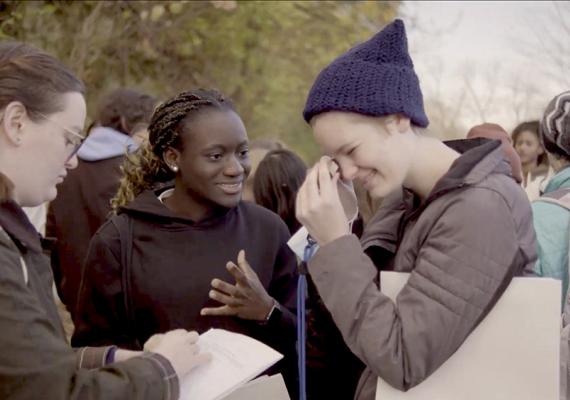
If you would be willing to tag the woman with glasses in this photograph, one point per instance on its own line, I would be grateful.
(42, 112)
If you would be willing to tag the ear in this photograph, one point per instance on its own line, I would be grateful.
(398, 124)
(13, 121)
(125, 127)
(171, 157)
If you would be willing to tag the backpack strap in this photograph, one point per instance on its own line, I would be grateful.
(124, 226)
(560, 197)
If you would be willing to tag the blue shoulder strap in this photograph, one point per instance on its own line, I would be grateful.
(301, 318)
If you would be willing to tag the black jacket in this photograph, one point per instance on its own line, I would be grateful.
(172, 263)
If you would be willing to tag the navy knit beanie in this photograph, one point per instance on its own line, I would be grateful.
(375, 78)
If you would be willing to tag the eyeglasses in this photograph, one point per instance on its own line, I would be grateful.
(75, 139)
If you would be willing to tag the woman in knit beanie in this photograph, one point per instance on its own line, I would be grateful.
(452, 217)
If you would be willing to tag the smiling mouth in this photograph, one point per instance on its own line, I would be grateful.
(231, 188)
(367, 178)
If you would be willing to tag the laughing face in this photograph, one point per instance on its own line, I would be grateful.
(214, 161)
(365, 150)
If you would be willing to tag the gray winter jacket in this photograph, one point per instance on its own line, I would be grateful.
(462, 246)
(36, 362)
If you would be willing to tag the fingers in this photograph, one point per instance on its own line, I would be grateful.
(246, 268)
(177, 333)
(193, 337)
(225, 311)
(202, 358)
(242, 262)
(153, 342)
(237, 273)
(194, 349)
(224, 298)
(225, 287)
(324, 177)
(308, 191)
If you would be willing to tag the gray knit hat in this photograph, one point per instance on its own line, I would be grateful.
(555, 125)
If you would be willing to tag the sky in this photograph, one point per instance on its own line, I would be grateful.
(483, 60)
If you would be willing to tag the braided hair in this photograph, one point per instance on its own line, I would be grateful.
(146, 168)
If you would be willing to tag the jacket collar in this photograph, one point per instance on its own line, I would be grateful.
(479, 158)
(560, 180)
(15, 222)
(149, 207)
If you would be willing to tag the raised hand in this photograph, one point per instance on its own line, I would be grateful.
(246, 299)
(318, 205)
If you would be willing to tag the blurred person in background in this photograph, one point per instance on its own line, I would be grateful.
(83, 202)
(535, 167)
(332, 370)
(279, 176)
(496, 132)
(258, 148)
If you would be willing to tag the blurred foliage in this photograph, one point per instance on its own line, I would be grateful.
(264, 55)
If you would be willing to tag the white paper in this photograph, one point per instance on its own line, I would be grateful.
(236, 359)
(263, 388)
(513, 353)
(299, 241)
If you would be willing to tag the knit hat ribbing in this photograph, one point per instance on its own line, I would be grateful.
(555, 124)
(375, 78)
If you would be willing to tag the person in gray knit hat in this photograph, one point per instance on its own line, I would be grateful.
(551, 215)
(549, 218)
(452, 217)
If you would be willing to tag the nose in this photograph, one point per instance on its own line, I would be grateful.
(72, 162)
(347, 169)
(233, 167)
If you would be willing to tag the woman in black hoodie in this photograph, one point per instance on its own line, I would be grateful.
(165, 260)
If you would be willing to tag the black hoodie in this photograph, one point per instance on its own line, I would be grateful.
(173, 262)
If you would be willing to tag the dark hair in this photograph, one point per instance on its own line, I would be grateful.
(265, 144)
(532, 127)
(35, 79)
(551, 146)
(146, 168)
(124, 108)
(278, 178)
